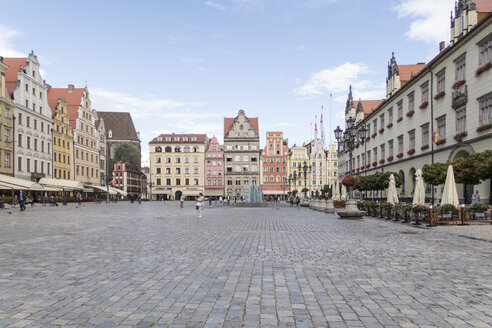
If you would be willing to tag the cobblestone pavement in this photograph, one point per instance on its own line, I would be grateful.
(157, 265)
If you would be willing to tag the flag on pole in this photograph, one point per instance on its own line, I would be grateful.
(315, 134)
(322, 127)
(436, 136)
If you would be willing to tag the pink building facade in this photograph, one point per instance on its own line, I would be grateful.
(214, 169)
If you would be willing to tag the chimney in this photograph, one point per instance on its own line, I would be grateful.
(442, 44)
(70, 88)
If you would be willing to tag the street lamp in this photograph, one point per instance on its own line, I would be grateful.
(348, 140)
(305, 168)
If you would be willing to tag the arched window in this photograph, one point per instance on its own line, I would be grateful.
(177, 149)
(195, 149)
(186, 149)
(158, 149)
(168, 149)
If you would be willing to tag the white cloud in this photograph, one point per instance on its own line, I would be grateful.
(105, 100)
(430, 19)
(7, 48)
(215, 5)
(334, 80)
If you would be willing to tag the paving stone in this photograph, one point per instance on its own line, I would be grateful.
(156, 265)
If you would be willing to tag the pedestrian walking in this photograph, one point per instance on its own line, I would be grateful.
(21, 201)
(221, 201)
(79, 199)
(209, 201)
(476, 197)
(199, 204)
(181, 201)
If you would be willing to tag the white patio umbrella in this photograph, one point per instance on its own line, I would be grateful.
(450, 194)
(419, 192)
(344, 192)
(336, 191)
(392, 193)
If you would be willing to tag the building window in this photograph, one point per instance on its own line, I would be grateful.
(390, 115)
(460, 68)
(158, 170)
(424, 92)
(383, 153)
(390, 147)
(168, 181)
(425, 135)
(485, 51)
(178, 182)
(461, 120)
(195, 182)
(441, 126)
(411, 101)
(7, 159)
(195, 170)
(187, 181)
(158, 182)
(375, 151)
(381, 118)
(375, 124)
(400, 109)
(400, 144)
(19, 163)
(441, 80)
(411, 139)
(485, 106)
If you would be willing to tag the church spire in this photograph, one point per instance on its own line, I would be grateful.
(359, 107)
(350, 101)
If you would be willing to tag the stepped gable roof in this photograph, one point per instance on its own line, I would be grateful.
(120, 124)
(369, 105)
(11, 73)
(483, 6)
(228, 121)
(200, 138)
(407, 71)
(73, 97)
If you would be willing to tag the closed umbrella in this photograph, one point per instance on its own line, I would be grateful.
(450, 194)
(344, 192)
(419, 192)
(336, 192)
(392, 193)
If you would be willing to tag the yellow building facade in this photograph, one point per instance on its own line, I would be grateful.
(62, 142)
(177, 165)
(6, 126)
(298, 157)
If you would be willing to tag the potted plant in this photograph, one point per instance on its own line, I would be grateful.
(407, 209)
(381, 161)
(410, 113)
(441, 141)
(424, 147)
(446, 210)
(399, 119)
(389, 125)
(374, 163)
(374, 135)
(390, 158)
(381, 130)
(458, 84)
(411, 151)
(482, 69)
(399, 155)
(460, 136)
(477, 208)
(484, 127)
(439, 95)
(397, 211)
(424, 105)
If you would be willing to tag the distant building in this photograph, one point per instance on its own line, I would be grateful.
(176, 165)
(242, 154)
(129, 178)
(297, 159)
(274, 164)
(214, 169)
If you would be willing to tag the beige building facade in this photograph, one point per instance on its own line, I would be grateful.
(298, 157)
(177, 165)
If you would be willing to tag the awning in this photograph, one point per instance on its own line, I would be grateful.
(19, 184)
(46, 188)
(191, 193)
(103, 189)
(61, 184)
(5, 186)
(88, 189)
(121, 192)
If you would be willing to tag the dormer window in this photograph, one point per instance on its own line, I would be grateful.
(110, 134)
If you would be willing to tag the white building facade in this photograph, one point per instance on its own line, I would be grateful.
(33, 158)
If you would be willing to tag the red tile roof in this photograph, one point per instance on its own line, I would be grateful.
(228, 121)
(407, 71)
(11, 73)
(483, 6)
(200, 138)
(120, 124)
(369, 105)
(73, 100)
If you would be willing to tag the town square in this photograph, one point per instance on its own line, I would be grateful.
(157, 265)
(246, 163)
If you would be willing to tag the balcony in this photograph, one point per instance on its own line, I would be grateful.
(459, 97)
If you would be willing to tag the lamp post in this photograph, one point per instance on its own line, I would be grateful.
(305, 168)
(295, 179)
(350, 137)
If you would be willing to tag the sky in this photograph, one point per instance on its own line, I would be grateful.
(182, 66)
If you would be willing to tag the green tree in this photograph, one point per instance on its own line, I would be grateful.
(473, 168)
(435, 174)
(126, 153)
